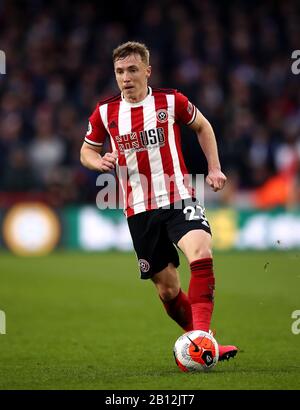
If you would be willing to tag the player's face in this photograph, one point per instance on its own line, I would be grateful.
(132, 77)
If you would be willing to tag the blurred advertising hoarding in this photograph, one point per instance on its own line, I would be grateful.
(36, 229)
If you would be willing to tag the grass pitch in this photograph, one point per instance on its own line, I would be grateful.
(86, 321)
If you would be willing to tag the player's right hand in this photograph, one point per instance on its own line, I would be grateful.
(108, 161)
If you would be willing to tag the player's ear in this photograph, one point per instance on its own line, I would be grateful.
(148, 71)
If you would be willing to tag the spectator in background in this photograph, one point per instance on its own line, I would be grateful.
(19, 175)
(46, 150)
(233, 60)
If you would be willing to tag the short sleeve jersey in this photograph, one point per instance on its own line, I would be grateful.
(150, 166)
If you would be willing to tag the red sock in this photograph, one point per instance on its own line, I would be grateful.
(179, 309)
(201, 293)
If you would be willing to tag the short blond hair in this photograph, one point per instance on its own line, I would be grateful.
(131, 47)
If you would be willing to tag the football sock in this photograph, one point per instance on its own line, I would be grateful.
(179, 309)
(201, 293)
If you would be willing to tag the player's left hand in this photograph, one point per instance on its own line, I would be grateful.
(216, 179)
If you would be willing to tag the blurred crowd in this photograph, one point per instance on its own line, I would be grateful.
(232, 59)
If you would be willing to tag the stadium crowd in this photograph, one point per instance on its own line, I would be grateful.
(232, 59)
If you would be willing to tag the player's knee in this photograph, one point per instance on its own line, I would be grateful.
(200, 253)
(168, 293)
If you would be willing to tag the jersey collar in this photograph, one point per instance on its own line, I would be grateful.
(140, 102)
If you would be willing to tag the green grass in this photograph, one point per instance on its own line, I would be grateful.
(86, 321)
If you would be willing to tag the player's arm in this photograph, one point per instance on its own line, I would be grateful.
(90, 157)
(206, 137)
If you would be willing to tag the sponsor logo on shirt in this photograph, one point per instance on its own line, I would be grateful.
(112, 125)
(90, 129)
(142, 140)
(190, 108)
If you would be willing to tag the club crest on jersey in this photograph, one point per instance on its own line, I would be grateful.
(162, 115)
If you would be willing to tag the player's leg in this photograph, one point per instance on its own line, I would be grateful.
(193, 237)
(196, 245)
(167, 283)
(158, 260)
(175, 301)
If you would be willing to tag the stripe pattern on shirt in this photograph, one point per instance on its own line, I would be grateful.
(150, 167)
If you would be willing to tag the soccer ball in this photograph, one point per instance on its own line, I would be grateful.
(196, 351)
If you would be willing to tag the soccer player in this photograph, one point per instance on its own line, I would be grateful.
(142, 125)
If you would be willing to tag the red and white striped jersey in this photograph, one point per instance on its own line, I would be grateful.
(146, 134)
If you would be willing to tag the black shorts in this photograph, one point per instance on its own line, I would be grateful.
(155, 232)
